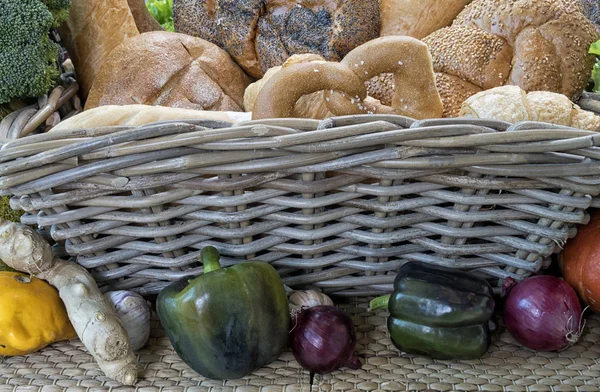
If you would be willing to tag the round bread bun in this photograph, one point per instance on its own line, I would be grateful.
(539, 45)
(169, 69)
(512, 104)
(262, 34)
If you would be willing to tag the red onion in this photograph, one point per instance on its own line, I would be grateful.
(542, 313)
(323, 340)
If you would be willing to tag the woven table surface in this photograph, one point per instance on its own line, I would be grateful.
(67, 366)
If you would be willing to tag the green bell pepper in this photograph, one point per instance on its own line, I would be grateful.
(229, 321)
(439, 312)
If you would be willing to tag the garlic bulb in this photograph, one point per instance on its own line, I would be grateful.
(299, 300)
(134, 312)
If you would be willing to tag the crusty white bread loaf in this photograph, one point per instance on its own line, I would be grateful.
(134, 115)
(93, 30)
(169, 69)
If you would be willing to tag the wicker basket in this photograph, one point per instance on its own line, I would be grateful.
(59, 104)
(337, 204)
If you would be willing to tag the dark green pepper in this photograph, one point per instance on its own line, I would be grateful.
(439, 312)
(229, 321)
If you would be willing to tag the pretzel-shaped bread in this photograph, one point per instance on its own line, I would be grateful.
(415, 93)
(279, 95)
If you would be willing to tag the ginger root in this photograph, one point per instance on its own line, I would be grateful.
(94, 320)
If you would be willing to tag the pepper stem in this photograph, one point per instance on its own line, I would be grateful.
(379, 302)
(209, 255)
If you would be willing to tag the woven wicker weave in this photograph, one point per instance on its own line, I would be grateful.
(507, 367)
(50, 109)
(338, 204)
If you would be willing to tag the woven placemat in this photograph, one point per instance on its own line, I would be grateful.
(67, 366)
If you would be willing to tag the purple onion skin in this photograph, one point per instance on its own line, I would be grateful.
(323, 340)
(543, 313)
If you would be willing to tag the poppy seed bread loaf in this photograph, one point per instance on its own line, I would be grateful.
(591, 8)
(261, 34)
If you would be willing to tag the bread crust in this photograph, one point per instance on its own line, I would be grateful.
(512, 104)
(417, 18)
(544, 47)
(93, 30)
(169, 69)
(261, 34)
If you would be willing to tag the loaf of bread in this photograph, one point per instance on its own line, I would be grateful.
(143, 19)
(309, 106)
(93, 30)
(169, 69)
(512, 104)
(537, 45)
(262, 34)
(135, 115)
(417, 18)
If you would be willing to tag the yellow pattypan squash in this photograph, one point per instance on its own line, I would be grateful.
(32, 315)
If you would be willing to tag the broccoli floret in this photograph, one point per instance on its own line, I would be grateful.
(28, 59)
(59, 10)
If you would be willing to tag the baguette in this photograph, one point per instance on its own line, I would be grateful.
(135, 115)
(93, 30)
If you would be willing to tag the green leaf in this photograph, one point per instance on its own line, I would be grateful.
(162, 11)
(595, 48)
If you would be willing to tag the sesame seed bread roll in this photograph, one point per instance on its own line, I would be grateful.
(453, 92)
(471, 54)
(539, 45)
